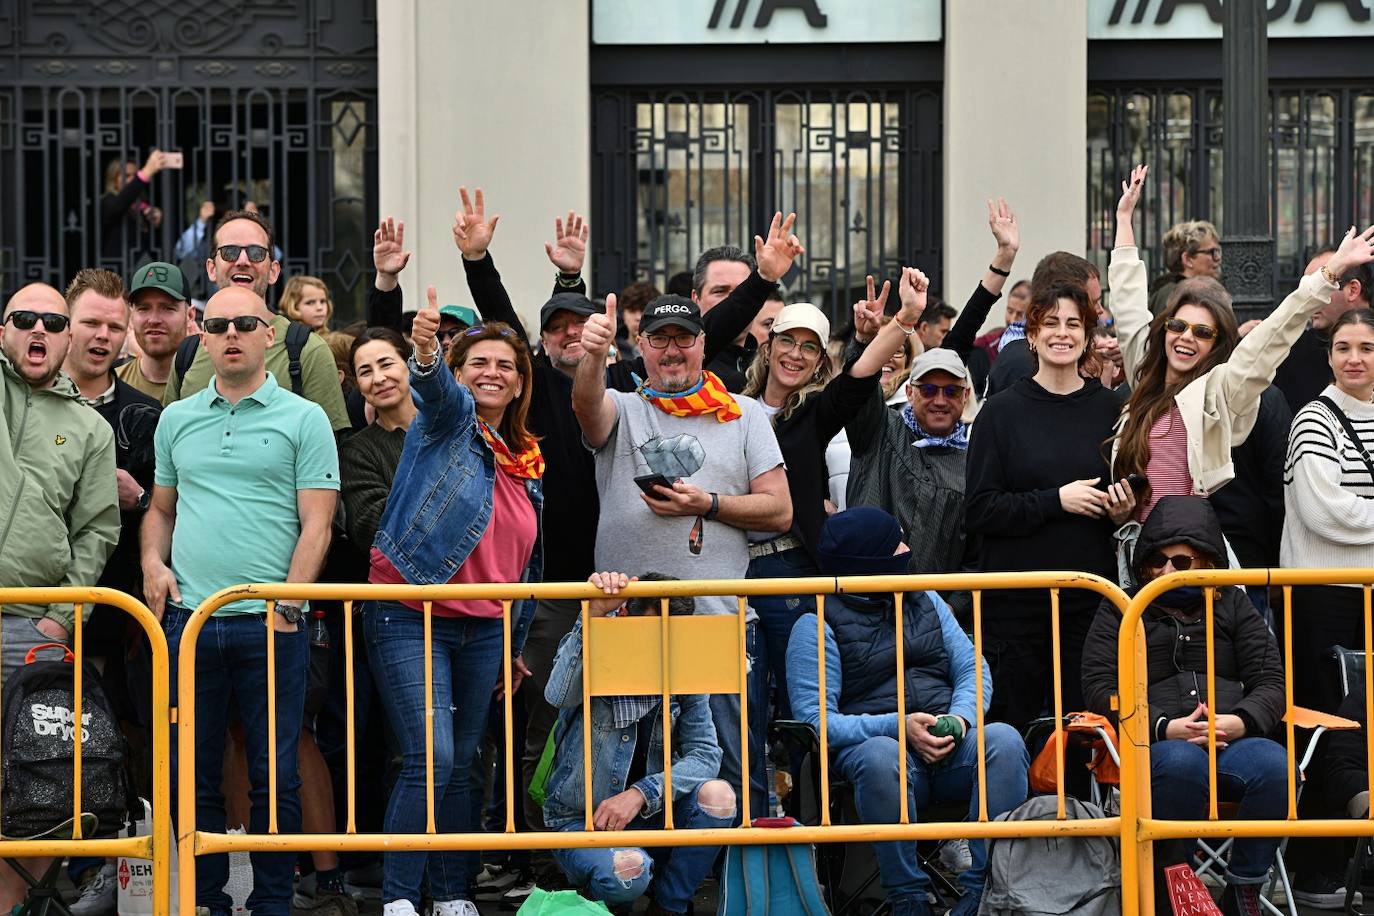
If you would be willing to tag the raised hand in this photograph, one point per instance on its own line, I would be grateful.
(868, 313)
(569, 249)
(912, 289)
(1004, 227)
(1356, 249)
(472, 231)
(1125, 207)
(774, 257)
(388, 247)
(154, 163)
(599, 332)
(424, 332)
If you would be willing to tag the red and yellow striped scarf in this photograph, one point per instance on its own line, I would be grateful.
(710, 396)
(528, 465)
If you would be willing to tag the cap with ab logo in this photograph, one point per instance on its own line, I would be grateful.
(159, 275)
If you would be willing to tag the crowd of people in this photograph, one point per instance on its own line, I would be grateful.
(170, 447)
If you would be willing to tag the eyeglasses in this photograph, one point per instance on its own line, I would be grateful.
(786, 343)
(1213, 253)
(1200, 331)
(244, 324)
(256, 253)
(24, 319)
(929, 391)
(660, 341)
(1181, 561)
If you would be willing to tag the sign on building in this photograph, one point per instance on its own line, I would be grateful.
(652, 22)
(1202, 18)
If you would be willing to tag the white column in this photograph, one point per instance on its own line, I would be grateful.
(1015, 119)
(483, 94)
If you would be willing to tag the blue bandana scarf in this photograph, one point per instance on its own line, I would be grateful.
(1015, 331)
(957, 439)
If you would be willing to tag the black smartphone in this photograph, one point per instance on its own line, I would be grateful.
(1137, 482)
(649, 481)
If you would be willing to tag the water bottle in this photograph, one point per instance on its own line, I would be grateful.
(319, 633)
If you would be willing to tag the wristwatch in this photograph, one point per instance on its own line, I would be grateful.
(144, 499)
(291, 613)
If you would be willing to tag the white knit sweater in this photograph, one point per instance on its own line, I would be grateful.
(1328, 490)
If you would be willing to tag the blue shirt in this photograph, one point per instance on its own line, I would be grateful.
(236, 469)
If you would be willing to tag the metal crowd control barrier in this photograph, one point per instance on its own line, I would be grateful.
(157, 845)
(672, 655)
(1136, 859)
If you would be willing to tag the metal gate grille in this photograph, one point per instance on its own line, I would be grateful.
(1321, 162)
(675, 173)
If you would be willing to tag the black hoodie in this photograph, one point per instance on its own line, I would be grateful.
(1249, 668)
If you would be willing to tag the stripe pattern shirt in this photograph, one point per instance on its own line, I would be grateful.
(1168, 466)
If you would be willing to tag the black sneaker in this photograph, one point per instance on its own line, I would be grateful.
(1241, 900)
(1322, 891)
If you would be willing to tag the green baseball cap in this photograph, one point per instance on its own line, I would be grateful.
(469, 317)
(160, 275)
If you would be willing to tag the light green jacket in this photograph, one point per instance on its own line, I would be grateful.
(59, 505)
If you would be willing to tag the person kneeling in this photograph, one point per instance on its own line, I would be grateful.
(861, 704)
(627, 738)
(1183, 533)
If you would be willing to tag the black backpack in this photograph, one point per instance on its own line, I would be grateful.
(36, 773)
(297, 336)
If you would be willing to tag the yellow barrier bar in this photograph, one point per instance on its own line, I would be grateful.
(903, 816)
(506, 700)
(587, 719)
(1152, 829)
(351, 763)
(979, 715)
(77, 637)
(824, 730)
(747, 815)
(428, 649)
(1369, 689)
(1210, 624)
(1058, 706)
(272, 716)
(1288, 702)
(667, 716)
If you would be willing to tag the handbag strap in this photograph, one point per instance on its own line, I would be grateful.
(1349, 431)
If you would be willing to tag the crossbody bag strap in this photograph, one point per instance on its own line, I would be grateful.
(1349, 431)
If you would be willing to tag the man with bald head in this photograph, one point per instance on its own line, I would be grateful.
(244, 491)
(57, 487)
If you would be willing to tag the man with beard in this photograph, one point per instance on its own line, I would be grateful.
(158, 317)
(242, 257)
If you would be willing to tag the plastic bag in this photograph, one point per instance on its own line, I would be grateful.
(559, 903)
(135, 876)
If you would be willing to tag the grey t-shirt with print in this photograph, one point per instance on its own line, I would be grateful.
(632, 539)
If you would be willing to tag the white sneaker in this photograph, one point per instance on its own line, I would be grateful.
(455, 908)
(98, 894)
(399, 908)
(956, 856)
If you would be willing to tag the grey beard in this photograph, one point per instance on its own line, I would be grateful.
(675, 387)
(563, 361)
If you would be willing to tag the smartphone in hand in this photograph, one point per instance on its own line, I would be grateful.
(647, 483)
(173, 160)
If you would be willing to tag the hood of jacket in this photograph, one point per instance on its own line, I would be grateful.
(1187, 520)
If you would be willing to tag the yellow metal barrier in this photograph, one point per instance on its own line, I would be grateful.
(157, 845)
(677, 655)
(1140, 828)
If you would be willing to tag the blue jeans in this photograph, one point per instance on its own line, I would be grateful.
(231, 662)
(466, 656)
(777, 614)
(681, 872)
(871, 767)
(1252, 771)
(725, 710)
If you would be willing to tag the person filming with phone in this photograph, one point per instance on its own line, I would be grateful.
(710, 470)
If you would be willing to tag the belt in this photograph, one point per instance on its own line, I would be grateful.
(776, 545)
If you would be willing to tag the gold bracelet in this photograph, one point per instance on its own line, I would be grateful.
(1330, 277)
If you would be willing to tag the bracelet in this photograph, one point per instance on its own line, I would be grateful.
(1000, 273)
(428, 360)
(715, 507)
(1330, 277)
(564, 281)
(908, 331)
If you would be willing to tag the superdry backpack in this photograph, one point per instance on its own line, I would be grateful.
(36, 774)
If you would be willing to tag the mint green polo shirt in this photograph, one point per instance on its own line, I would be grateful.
(236, 469)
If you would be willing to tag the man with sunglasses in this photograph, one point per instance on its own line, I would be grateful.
(57, 473)
(245, 489)
(242, 258)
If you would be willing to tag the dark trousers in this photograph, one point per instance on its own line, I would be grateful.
(1021, 656)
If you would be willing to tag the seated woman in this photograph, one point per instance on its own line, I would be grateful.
(1183, 533)
(627, 742)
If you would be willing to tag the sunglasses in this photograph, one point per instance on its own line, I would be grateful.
(24, 319)
(1181, 561)
(479, 329)
(244, 324)
(256, 253)
(1200, 331)
(661, 341)
(929, 391)
(786, 343)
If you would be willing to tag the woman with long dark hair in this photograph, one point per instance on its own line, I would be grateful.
(464, 507)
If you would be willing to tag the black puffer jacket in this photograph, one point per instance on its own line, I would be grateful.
(1249, 668)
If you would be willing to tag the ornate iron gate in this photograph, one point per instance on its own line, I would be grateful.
(273, 102)
(677, 172)
(1321, 166)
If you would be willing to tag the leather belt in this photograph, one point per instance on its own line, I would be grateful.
(776, 545)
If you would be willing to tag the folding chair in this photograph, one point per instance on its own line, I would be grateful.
(44, 898)
(1105, 794)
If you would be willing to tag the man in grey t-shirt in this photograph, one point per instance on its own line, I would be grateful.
(724, 472)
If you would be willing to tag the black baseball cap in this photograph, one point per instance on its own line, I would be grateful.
(671, 311)
(576, 303)
(160, 275)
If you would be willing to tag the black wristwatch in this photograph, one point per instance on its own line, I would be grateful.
(144, 499)
(291, 613)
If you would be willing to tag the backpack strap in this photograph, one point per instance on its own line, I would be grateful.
(1350, 433)
(297, 336)
(186, 355)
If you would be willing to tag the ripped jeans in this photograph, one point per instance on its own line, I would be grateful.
(622, 874)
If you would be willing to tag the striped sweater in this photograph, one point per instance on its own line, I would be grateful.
(1328, 490)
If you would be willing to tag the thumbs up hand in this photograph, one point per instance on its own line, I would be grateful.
(424, 332)
(599, 332)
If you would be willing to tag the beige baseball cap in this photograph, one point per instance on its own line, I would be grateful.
(803, 315)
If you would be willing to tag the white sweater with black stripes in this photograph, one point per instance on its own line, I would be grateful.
(1328, 489)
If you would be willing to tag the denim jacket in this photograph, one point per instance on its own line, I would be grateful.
(440, 503)
(696, 758)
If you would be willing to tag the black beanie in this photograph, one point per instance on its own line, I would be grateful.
(860, 542)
